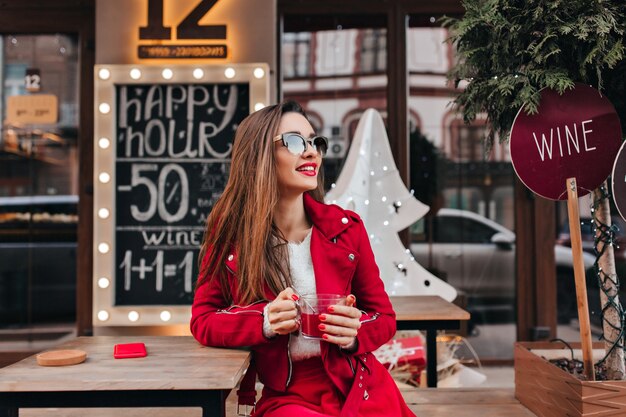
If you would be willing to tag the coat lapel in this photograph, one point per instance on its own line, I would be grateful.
(332, 264)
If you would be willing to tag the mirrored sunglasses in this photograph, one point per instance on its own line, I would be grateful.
(297, 144)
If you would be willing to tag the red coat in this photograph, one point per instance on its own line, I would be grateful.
(343, 263)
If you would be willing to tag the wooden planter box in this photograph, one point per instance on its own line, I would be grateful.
(548, 391)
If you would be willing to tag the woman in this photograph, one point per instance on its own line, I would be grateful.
(270, 238)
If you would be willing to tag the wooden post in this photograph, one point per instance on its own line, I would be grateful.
(579, 276)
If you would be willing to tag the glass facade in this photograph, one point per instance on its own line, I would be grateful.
(467, 238)
(38, 179)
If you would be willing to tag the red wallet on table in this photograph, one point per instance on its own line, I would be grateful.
(129, 350)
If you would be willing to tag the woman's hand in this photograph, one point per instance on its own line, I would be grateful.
(282, 312)
(341, 324)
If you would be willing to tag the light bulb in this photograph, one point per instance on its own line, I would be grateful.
(133, 316)
(198, 73)
(104, 143)
(167, 74)
(104, 108)
(165, 315)
(104, 177)
(103, 213)
(104, 74)
(135, 74)
(259, 72)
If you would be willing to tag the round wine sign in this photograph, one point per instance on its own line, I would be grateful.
(576, 134)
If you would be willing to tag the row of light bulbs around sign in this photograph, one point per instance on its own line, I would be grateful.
(133, 315)
(168, 73)
(104, 177)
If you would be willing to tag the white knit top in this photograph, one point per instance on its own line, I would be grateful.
(303, 278)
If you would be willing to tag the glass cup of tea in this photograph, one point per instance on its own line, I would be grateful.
(311, 306)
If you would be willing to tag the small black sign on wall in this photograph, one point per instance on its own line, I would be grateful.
(32, 80)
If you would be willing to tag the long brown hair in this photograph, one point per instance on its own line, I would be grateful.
(243, 217)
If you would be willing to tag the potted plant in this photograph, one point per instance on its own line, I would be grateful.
(508, 51)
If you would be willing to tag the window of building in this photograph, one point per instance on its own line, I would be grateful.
(373, 50)
(296, 50)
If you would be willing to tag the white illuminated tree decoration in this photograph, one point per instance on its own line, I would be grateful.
(370, 185)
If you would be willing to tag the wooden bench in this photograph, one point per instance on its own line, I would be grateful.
(447, 402)
(464, 402)
(425, 402)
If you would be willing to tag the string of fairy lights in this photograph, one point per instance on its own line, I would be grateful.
(608, 283)
(393, 208)
(383, 204)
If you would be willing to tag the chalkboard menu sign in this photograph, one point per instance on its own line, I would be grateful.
(173, 147)
(163, 138)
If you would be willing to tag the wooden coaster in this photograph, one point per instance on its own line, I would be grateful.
(61, 357)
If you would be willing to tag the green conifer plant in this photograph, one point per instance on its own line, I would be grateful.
(507, 51)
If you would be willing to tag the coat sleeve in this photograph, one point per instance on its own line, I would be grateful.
(378, 323)
(217, 324)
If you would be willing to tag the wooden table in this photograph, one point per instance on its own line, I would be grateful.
(429, 313)
(178, 372)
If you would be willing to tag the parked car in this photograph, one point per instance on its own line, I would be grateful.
(477, 256)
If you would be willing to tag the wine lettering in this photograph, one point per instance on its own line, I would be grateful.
(568, 139)
(172, 239)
